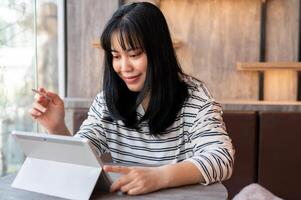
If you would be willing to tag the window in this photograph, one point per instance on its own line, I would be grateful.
(30, 56)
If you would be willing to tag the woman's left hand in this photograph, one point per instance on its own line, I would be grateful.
(137, 180)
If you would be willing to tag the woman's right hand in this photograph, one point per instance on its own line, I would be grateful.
(50, 112)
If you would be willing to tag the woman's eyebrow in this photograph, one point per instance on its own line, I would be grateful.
(127, 50)
(133, 49)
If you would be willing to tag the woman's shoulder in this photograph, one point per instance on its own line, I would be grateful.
(99, 101)
(197, 89)
(99, 98)
(99, 107)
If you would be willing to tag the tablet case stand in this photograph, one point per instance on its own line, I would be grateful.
(66, 180)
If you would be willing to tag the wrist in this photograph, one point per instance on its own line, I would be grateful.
(61, 129)
(164, 174)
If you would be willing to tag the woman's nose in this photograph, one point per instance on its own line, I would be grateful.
(126, 65)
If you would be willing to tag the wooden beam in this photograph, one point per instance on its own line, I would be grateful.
(267, 66)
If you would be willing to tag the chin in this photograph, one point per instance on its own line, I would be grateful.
(134, 89)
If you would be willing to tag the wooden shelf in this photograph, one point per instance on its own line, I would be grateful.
(267, 66)
(280, 78)
(96, 44)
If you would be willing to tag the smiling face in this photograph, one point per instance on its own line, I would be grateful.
(130, 64)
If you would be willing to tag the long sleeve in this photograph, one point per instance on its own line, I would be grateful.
(92, 128)
(213, 152)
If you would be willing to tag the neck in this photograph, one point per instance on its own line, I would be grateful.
(145, 102)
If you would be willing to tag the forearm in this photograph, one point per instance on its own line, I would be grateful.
(183, 173)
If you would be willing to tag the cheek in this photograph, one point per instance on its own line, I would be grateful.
(143, 65)
(116, 66)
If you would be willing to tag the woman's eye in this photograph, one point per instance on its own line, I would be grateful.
(116, 56)
(135, 55)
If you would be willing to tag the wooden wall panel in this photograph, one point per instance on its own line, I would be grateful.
(282, 45)
(282, 30)
(85, 22)
(215, 35)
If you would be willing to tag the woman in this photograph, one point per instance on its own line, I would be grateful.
(149, 112)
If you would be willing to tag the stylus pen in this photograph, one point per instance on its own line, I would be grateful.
(40, 93)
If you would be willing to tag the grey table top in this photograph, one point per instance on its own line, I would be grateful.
(212, 192)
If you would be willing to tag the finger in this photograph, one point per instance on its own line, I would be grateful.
(33, 117)
(42, 101)
(35, 113)
(39, 107)
(41, 89)
(54, 97)
(128, 186)
(135, 191)
(116, 169)
(38, 97)
(119, 183)
(43, 93)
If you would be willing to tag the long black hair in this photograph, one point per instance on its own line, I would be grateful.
(142, 25)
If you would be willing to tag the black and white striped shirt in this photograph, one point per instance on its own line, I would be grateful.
(197, 135)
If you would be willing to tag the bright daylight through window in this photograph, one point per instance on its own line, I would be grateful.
(28, 58)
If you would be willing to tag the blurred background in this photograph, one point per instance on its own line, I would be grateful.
(28, 58)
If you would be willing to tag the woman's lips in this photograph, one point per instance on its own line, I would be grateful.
(131, 79)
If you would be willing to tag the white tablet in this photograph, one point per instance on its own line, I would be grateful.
(57, 165)
(58, 148)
